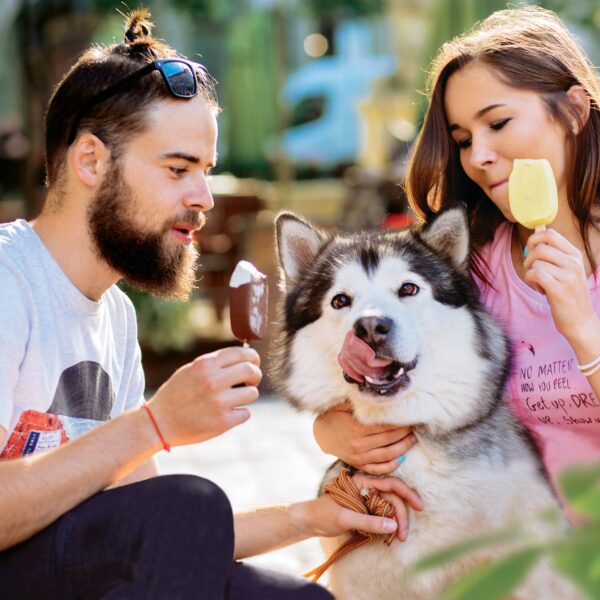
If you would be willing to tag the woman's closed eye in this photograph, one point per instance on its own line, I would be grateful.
(464, 143)
(497, 125)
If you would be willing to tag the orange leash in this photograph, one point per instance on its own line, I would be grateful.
(345, 493)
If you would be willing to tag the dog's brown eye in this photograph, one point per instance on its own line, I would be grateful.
(408, 289)
(341, 301)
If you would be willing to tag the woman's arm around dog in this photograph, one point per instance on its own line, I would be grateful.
(374, 449)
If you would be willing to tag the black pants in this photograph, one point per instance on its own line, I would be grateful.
(165, 538)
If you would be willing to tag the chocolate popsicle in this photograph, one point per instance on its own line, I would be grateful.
(248, 297)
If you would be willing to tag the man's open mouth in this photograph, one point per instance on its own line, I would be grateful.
(184, 232)
(389, 380)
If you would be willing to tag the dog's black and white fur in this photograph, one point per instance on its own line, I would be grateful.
(474, 465)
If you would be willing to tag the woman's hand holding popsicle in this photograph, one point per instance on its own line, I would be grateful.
(556, 267)
(553, 265)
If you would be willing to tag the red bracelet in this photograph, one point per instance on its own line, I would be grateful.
(160, 435)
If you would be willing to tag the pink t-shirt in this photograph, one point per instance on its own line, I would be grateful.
(546, 390)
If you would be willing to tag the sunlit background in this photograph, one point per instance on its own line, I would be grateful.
(320, 106)
(320, 103)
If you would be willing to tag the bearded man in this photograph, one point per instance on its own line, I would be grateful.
(131, 135)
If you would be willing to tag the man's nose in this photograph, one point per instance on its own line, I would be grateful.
(199, 197)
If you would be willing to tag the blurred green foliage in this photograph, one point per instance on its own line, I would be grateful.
(583, 12)
(163, 325)
(208, 10)
(222, 10)
(344, 8)
(575, 554)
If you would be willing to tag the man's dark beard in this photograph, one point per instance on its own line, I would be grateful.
(143, 259)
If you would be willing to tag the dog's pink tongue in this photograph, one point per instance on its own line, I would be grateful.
(358, 359)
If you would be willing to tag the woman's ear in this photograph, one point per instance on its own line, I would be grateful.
(88, 159)
(580, 105)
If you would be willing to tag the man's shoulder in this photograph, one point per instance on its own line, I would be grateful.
(120, 303)
(12, 248)
(13, 234)
(16, 292)
(14, 242)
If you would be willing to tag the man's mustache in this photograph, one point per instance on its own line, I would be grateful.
(191, 218)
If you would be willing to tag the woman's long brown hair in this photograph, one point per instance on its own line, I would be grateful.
(528, 48)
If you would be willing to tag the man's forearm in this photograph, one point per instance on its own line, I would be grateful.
(36, 490)
(269, 528)
(265, 529)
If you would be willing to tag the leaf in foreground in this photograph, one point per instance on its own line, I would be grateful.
(449, 554)
(578, 481)
(581, 563)
(496, 580)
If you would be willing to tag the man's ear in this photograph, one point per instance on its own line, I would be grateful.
(298, 244)
(580, 105)
(89, 158)
(448, 234)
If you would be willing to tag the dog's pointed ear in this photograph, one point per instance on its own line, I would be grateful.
(298, 243)
(448, 234)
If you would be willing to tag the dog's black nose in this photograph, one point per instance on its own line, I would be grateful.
(373, 330)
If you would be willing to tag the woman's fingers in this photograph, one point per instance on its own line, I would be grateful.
(379, 468)
(395, 486)
(548, 254)
(392, 451)
(401, 515)
(396, 492)
(552, 238)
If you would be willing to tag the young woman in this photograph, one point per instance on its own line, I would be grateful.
(517, 86)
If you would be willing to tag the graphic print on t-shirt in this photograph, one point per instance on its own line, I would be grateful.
(84, 391)
(554, 391)
(83, 399)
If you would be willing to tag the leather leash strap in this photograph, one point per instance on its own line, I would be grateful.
(345, 493)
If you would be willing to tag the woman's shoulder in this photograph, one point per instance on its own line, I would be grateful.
(499, 244)
(491, 258)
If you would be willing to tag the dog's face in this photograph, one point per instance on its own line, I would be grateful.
(385, 319)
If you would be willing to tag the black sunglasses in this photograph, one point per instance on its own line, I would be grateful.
(179, 75)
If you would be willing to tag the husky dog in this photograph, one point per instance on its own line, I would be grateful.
(409, 297)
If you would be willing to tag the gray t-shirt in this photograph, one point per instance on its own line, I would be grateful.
(67, 363)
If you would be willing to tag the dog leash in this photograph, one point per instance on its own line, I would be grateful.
(345, 493)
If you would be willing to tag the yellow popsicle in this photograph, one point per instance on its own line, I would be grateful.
(532, 193)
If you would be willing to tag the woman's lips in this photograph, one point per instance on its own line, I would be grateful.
(495, 185)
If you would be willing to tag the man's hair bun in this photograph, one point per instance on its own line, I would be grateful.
(138, 25)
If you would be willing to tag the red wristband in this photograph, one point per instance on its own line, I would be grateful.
(160, 435)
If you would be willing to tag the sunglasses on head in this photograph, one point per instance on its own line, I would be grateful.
(178, 73)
